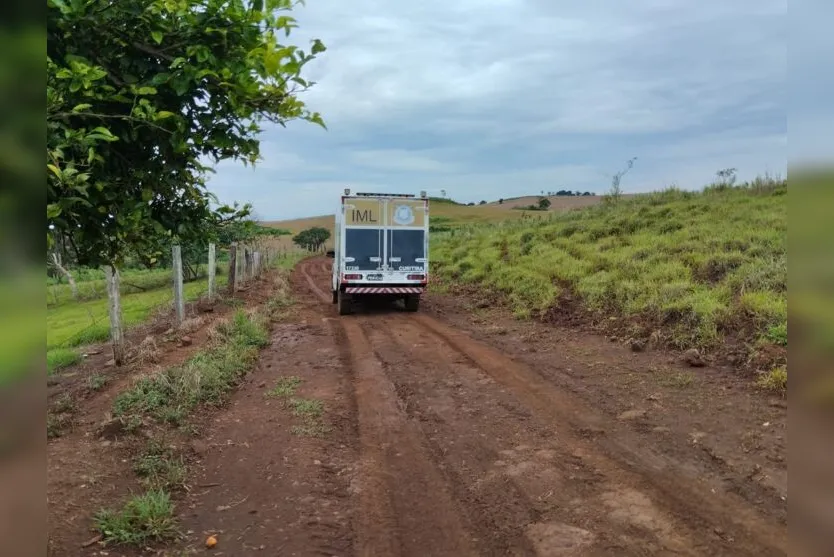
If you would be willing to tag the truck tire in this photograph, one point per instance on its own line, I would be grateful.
(335, 296)
(344, 303)
(412, 303)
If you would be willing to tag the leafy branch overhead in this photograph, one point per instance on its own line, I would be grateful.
(142, 95)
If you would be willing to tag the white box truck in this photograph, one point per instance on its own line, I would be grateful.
(381, 249)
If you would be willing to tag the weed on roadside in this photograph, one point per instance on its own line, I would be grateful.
(678, 380)
(286, 386)
(64, 404)
(310, 411)
(775, 380)
(277, 306)
(144, 518)
(57, 424)
(161, 468)
(206, 378)
(235, 303)
(307, 408)
(59, 358)
(97, 381)
(777, 334)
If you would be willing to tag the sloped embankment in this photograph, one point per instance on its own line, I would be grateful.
(682, 269)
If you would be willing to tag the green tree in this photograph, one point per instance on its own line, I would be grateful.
(141, 96)
(312, 239)
(544, 204)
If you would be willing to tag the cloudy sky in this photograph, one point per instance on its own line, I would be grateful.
(497, 98)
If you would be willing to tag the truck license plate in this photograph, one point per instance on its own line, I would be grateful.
(373, 277)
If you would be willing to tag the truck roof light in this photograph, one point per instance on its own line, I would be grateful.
(365, 194)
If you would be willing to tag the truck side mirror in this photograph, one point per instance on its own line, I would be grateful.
(331, 253)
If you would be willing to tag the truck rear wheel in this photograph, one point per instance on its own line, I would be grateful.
(344, 303)
(412, 303)
(335, 296)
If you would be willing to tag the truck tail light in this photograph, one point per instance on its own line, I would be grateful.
(416, 277)
(353, 277)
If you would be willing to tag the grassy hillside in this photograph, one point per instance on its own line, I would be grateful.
(691, 268)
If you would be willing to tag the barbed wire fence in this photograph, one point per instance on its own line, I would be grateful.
(246, 263)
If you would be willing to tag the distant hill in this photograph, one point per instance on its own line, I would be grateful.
(453, 213)
(557, 202)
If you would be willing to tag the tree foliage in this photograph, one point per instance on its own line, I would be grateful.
(312, 239)
(141, 96)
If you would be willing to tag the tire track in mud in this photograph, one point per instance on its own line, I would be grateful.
(628, 498)
(550, 499)
(703, 509)
(404, 504)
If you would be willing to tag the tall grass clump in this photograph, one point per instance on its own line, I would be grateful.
(206, 378)
(696, 266)
(144, 518)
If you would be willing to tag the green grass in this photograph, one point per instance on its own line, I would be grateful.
(97, 381)
(289, 260)
(206, 378)
(311, 412)
(286, 386)
(77, 324)
(775, 380)
(307, 408)
(73, 324)
(92, 286)
(148, 517)
(59, 358)
(678, 380)
(57, 424)
(161, 468)
(698, 266)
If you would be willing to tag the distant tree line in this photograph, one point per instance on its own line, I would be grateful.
(568, 193)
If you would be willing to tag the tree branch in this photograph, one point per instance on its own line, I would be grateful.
(111, 117)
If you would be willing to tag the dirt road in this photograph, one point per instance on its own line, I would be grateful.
(432, 442)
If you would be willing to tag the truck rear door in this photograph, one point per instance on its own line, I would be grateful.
(406, 233)
(363, 234)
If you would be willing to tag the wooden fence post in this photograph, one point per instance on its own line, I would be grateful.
(212, 267)
(232, 268)
(244, 265)
(241, 266)
(179, 302)
(257, 257)
(115, 310)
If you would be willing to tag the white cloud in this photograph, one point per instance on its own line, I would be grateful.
(482, 97)
(400, 160)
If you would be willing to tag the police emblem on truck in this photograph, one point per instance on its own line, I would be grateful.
(403, 215)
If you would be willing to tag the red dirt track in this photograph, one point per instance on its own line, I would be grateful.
(460, 450)
(446, 437)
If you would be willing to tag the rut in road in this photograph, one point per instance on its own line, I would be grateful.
(498, 461)
(404, 507)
